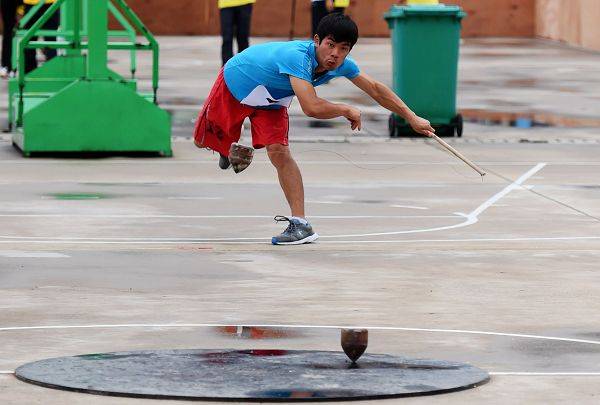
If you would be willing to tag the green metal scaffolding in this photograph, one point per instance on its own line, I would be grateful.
(75, 102)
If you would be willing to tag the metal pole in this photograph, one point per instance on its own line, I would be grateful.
(137, 23)
(76, 16)
(130, 32)
(21, 52)
(97, 24)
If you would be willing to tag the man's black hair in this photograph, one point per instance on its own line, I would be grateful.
(339, 27)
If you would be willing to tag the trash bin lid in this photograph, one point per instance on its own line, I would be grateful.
(439, 10)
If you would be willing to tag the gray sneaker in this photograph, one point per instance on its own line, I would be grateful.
(296, 233)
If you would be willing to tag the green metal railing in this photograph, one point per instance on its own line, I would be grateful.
(94, 28)
(23, 44)
(130, 32)
(139, 25)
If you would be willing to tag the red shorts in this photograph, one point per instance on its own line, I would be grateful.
(220, 122)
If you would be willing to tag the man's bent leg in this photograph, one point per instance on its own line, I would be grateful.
(290, 177)
(219, 123)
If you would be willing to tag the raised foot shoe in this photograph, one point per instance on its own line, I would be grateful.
(240, 156)
(296, 233)
(224, 162)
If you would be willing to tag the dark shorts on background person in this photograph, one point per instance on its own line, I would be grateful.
(220, 122)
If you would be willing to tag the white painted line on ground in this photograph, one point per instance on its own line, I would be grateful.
(88, 163)
(23, 254)
(219, 216)
(409, 206)
(331, 242)
(469, 219)
(289, 326)
(517, 184)
(194, 198)
(530, 239)
(535, 373)
(322, 202)
(254, 162)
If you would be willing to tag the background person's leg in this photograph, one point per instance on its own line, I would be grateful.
(242, 23)
(319, 10)
(52, 24)
(30, 59)
(8, 8)
(227, 17)
(219, 124)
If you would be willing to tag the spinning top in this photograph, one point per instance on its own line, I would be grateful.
(354, 342)
(240, 156)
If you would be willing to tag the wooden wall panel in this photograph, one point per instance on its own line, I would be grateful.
(572, 21)
(273, 17)
(498, 18)
(524, 18)
(547, 18)
(590, 28)
(178, 17)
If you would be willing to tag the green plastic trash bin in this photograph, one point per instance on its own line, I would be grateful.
(425, 42)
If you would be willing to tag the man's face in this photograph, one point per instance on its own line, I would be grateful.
(331, 54)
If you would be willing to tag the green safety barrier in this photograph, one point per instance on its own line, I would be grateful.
(75, 102)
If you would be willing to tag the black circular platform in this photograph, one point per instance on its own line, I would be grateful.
(250, 375)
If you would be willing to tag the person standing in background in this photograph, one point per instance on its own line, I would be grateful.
(52, 24)
(8, 9)
(235, 18)
(319, 10)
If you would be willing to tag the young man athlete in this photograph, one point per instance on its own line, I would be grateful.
(261, 82)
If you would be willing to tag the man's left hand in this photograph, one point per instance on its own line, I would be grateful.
(422, 126)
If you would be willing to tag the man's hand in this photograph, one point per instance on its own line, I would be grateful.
(386, 98)
(422, 126)
(353, 115)
(316, 107)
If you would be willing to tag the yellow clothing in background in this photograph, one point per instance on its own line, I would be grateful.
(421, 2)
(34, 2)
(341, 3)
(234, 3)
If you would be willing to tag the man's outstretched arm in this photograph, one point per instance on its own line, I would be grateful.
(316, 107)
(389, 100)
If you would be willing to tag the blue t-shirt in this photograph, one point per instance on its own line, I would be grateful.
(259, 76)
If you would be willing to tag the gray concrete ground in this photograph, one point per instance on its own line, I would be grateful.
(122, 254)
